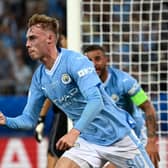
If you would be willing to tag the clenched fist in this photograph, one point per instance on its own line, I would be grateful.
(2, 119)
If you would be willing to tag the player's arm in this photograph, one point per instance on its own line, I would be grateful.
(45, 108)
(40, 124)
(142, 101)
(28, 119)
(88, 82)
(93, 107)
(151, 147)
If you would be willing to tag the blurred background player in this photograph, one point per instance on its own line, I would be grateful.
(129, 95)
(59, 123)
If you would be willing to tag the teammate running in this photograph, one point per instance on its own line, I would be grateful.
(128, 95)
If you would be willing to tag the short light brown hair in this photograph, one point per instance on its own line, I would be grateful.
(46, 22)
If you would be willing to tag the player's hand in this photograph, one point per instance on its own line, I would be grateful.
(153, 152)
(68, 140)
(39, 129)
(2, 119)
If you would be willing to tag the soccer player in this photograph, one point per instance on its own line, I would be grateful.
(129, 95)
(59, 123)
(101, 131)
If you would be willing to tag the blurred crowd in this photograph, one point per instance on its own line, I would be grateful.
(16, 67)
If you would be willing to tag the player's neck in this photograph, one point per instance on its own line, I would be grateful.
(104, 75)
(50, 59)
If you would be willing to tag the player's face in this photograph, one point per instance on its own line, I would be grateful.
(36, 42)
(99, 60)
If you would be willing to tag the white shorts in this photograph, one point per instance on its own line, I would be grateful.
(127, 153)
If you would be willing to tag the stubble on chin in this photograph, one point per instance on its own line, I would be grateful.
(33, 56)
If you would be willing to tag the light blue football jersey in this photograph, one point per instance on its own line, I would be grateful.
(73, 85)
(120, 86)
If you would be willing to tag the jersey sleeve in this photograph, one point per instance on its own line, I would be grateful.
(134, 90)
(88, 82)
(27, 120)
(83, 72)
(92, 109)
(139, 98)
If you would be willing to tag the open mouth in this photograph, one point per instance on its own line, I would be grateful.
(30, 51)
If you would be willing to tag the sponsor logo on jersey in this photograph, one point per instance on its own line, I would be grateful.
(67, 99)
(65, 79)
(85, 71)
(115, 97)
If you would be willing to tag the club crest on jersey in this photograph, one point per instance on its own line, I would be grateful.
(115, 97)
(65, 78)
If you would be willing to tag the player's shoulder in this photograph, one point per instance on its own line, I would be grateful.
(119, 72)
(39, 69)
(38, 73)
(72, 55)
(120, 75)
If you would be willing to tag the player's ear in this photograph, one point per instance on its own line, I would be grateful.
(50, 38)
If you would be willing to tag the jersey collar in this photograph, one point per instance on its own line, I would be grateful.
(51, 71)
